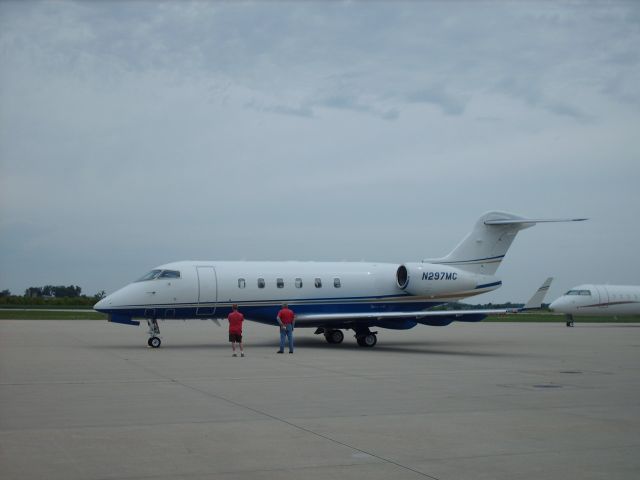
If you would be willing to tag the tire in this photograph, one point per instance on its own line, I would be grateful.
(154, 342)
(334, 336)
(368, 340)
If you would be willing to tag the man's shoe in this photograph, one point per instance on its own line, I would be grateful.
(242, 354)
(279, 351)
(234, 355)
(290, 351)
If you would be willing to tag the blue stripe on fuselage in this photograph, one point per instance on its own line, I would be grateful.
(265, 313)
(487, 285)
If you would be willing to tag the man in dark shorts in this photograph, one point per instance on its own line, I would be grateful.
(235, 329)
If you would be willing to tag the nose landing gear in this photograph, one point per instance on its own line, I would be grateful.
(154, 333)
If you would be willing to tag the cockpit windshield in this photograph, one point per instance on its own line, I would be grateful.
(169, 274)
(153, 274)
(579, 292)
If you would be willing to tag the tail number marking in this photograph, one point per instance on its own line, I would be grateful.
(439, 275)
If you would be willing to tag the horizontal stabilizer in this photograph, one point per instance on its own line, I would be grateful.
(532, 220)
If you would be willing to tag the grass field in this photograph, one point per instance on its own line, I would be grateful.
(42, 315)
(545, 317)
(45, 306)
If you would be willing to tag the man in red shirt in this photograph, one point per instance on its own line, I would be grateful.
(286, 320)
(235, 329)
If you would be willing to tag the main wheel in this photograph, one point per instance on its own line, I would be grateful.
(154, 342)
(334, 336)
(369, 340)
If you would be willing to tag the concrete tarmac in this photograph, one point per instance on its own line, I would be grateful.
(89, 400)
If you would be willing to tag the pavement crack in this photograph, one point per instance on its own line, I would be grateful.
(279, 419)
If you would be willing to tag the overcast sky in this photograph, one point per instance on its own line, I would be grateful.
(133, 134)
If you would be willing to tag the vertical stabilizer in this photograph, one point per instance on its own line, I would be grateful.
(482, 250)
(535, 302)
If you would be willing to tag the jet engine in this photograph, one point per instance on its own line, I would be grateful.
(433, 279)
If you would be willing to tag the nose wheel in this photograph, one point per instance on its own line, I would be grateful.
(154, 333)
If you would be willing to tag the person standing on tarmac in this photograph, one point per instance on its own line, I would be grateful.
(286, 320)
(235, 329)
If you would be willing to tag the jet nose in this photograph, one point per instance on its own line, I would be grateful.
(558, 305)
(101, 306)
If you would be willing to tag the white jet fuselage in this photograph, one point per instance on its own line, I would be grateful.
(207, 289)
(599, 300)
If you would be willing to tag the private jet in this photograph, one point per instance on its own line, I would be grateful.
(606, 300)
(328, 296)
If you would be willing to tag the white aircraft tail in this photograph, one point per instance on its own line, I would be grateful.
(535, 302)
(482, 250)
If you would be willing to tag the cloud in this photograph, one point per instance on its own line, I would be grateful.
(438, 96)
(304, 111)
(355, 104)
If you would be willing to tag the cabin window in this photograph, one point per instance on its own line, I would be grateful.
(298, 283)
(169, 274)
(318, 283)
(279, 283)
(261, 283)
(241, 283)
(336, 282)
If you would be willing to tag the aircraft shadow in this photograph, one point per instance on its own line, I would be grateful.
(412, 347)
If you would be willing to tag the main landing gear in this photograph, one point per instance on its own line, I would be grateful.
(154, 333)
(366, 338)
(334, 336)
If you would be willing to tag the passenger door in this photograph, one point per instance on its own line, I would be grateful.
(207, 291)
(603, 295)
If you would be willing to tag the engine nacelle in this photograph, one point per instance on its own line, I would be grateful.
(432, 279)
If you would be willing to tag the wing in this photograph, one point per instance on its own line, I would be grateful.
(318, 319)
(324, 319)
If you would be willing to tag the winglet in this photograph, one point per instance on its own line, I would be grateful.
(536, 301)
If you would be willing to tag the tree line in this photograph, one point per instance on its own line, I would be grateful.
(50, 295)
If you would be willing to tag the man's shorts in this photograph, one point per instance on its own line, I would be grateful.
(235, 337)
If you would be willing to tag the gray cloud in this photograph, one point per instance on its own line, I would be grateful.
(297, 111)
(439, 97)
